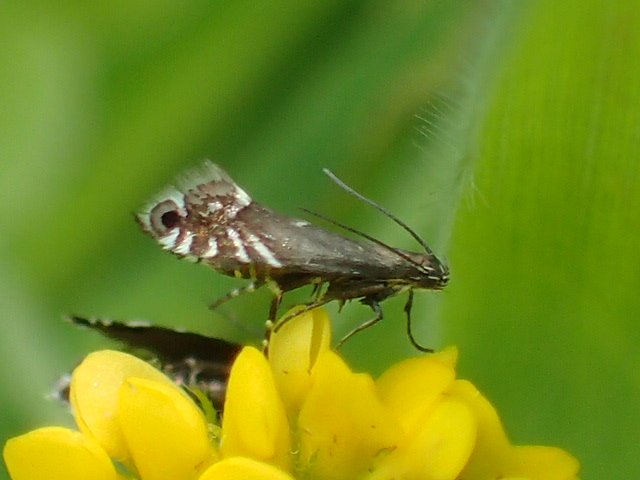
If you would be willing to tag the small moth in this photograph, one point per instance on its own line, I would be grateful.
(191, 360)
(208, 218)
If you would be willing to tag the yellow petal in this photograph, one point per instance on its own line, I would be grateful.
(343, 425)
(94, 395)
(56, 453)
(293, 350)
(493, 450)
(542, 463)
(240, 468)
(495, 457)
(437, 451)
(255, 423)
(166, 433)
(447, 356)
(411, 388)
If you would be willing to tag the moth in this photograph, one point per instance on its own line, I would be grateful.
(191, 360)
(207, 218)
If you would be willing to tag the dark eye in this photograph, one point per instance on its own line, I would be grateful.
(165, 216)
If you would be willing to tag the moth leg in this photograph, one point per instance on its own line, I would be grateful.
(375, 306)
(273, 309)
(316, 293)
(236, 292)
(271, 321)
(306, 308)
(407, 310)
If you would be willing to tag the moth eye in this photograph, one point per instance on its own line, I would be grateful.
(165, 216)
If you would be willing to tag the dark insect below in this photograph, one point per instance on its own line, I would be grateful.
(191, 360)
(208, 218)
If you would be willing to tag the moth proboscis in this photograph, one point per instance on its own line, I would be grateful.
(206, 217)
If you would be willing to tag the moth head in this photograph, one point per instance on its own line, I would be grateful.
(443, 275)
(430, 272)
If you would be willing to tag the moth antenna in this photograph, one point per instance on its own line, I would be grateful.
(378, 207)
(362, 234)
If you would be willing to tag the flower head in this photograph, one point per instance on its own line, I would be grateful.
(301, 412)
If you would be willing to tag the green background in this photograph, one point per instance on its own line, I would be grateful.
(505, 132)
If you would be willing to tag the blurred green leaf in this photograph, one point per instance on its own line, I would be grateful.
(545, 251)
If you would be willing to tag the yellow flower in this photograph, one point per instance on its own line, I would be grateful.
(300, 413)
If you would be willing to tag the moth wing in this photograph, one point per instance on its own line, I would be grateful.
(167, 344)
(303, 248)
